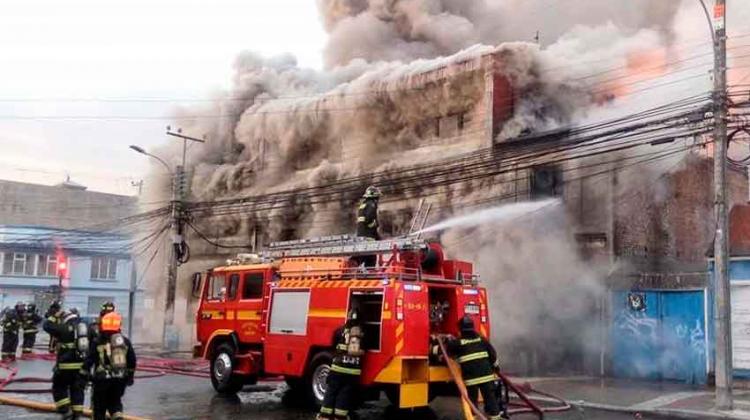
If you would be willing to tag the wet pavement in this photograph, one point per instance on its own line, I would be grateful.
(182, 397)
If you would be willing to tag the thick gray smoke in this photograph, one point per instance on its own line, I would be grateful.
(391, 30)
(286, 127)
(543, 296)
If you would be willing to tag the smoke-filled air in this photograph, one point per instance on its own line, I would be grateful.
(374, 107)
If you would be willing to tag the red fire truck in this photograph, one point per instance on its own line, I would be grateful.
(275, 314)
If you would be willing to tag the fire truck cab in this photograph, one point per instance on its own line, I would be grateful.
(275, 314)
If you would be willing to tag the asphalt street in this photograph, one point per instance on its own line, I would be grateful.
(180, 397)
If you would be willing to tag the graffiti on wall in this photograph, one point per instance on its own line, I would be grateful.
(659, 336)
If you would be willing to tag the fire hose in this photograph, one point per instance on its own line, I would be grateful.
(152, 366)
(470, 409)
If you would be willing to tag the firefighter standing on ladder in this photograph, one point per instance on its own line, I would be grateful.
(478, 361)
(71, 336)
(367, 214)
(343, 379)
(367, 222)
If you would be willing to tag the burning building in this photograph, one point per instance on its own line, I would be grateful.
(412, 98)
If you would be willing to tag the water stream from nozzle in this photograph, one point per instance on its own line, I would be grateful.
(504, 213)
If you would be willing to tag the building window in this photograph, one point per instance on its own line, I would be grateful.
(7, 263)
(546, 181)
(47, 266)
(96, 302)
(103, 268)
(19, 264)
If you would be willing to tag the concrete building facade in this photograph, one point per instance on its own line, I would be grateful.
(54, 245)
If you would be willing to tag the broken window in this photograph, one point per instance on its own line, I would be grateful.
(546, 181)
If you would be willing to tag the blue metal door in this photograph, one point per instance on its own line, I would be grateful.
(635, 335)
(659, 335)
(683, 355)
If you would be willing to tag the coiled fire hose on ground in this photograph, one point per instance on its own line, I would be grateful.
(471, 411)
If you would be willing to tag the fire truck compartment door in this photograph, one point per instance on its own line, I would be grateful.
(289, 312)
(285, 347)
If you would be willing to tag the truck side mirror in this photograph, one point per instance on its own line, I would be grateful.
(197, 277)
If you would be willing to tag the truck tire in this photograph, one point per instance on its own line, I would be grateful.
(315, 379)
(223, 377)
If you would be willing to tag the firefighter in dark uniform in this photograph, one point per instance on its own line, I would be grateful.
(478, 361)
(367, 214)
(107, 307)
(71, 337)
(30, 324)
(11, 322)
(113, 361)
(54, 307)
(346, 368)
(367, 222)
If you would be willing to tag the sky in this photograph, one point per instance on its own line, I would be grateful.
(81, 80)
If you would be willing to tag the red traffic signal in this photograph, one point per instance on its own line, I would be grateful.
(62, 269)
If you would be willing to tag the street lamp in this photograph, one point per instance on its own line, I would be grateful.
(143, 151)
(175, 229)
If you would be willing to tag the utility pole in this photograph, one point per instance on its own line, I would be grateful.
(722, 305)
(131, 296)
(138, 184)
(177, 225)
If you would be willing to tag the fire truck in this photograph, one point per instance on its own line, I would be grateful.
(275, 314)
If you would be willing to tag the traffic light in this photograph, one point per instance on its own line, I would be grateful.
(62, 272)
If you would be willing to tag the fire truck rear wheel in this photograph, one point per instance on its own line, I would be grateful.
(223, 377)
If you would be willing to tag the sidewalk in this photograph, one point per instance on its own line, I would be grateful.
(671, 400)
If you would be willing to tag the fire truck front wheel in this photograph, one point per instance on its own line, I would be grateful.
(223, 377)
(317, 375)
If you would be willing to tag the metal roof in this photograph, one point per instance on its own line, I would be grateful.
(74, 241)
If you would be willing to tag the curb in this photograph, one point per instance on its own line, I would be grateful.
(663, 412)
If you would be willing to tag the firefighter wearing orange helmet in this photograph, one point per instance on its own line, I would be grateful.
(111, 367)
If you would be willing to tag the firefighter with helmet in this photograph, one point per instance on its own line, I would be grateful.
(11, 322)
(54, 307)
(29, 322)
(110, 365)
(478, 361)
(367, 214)
(367, 223)
(107, 307)
(72, 344)
(346, 368)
